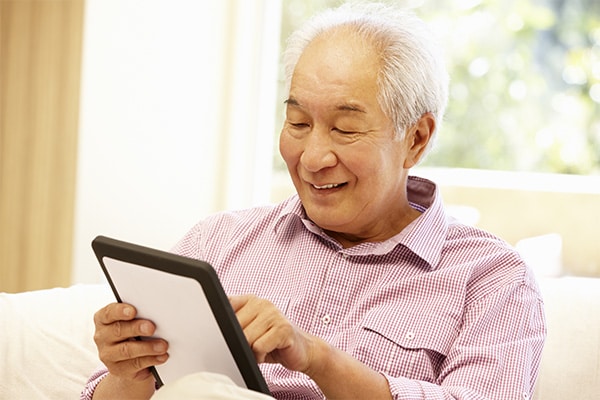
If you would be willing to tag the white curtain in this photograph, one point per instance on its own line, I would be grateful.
(177, 117)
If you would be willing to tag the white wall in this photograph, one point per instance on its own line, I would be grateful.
(176, 117)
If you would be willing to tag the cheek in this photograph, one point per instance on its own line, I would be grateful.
(364, 161)
(378, 168)
(289, 148)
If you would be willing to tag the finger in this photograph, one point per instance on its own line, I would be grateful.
(265, 339)
(133, 349)
(259, 315)
(114, 312)
(238, 302)
(251, 309)
(137, 368)
(122, 330)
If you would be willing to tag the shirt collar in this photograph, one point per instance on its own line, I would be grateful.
(424, 236)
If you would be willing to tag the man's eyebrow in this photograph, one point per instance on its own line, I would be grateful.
(341, 107)
(292, 102)
(350, 107)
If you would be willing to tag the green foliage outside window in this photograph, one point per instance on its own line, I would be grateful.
(525, 82)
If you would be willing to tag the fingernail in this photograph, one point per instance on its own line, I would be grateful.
(159, 347)
(146, 328)
(162, 358)
(128, 311)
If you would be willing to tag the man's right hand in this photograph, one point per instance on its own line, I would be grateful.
(127, 359)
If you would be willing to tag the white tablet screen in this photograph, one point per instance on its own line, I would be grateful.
(180, 310)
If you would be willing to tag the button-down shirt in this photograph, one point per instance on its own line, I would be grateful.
(442, 310)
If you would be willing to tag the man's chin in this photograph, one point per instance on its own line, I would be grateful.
(325, 217)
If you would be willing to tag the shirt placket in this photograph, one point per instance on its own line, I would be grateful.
(330, 309)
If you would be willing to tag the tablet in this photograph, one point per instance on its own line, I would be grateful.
(186, 302)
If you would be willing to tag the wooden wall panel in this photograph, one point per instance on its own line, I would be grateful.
(40, 58)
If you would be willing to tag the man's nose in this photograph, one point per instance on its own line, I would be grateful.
(318, 151)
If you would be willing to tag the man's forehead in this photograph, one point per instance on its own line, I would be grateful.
(343, 42)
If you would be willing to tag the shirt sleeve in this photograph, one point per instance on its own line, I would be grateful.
(496, 355)
(88, 391)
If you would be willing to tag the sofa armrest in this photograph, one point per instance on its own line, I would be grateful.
(47, 341)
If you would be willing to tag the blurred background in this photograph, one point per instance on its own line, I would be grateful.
(137, 118)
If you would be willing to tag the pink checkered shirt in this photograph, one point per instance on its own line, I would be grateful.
(443, 310)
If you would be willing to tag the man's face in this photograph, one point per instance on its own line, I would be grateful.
(338, 144)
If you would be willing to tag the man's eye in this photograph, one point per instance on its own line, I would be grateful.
(343, 131)
(299, 125)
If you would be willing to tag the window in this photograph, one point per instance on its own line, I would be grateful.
(525, 82)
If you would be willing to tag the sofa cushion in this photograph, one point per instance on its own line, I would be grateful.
(47, 348)
(570, 366)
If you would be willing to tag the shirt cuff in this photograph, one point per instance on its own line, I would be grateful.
(93, 381)
(404, 388)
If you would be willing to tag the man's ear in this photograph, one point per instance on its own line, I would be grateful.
(418, 137)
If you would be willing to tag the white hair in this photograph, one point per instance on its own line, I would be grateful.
(412, 79)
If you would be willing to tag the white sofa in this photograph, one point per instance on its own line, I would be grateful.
(47, 350)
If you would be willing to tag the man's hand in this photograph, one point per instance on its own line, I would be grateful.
(127, 359)
(274, 339)
(271, 336)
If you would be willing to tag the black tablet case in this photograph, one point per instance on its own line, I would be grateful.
(127, 259)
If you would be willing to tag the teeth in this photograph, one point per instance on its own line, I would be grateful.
(330, 186)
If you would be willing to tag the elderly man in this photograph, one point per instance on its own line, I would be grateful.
(360, 286)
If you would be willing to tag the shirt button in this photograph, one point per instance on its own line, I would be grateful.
(345, 256)
(326, 319)
(409, 335)
(526, 395)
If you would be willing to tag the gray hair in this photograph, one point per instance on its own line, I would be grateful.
(412, 80)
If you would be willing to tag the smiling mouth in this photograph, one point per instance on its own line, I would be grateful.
(328, 186)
